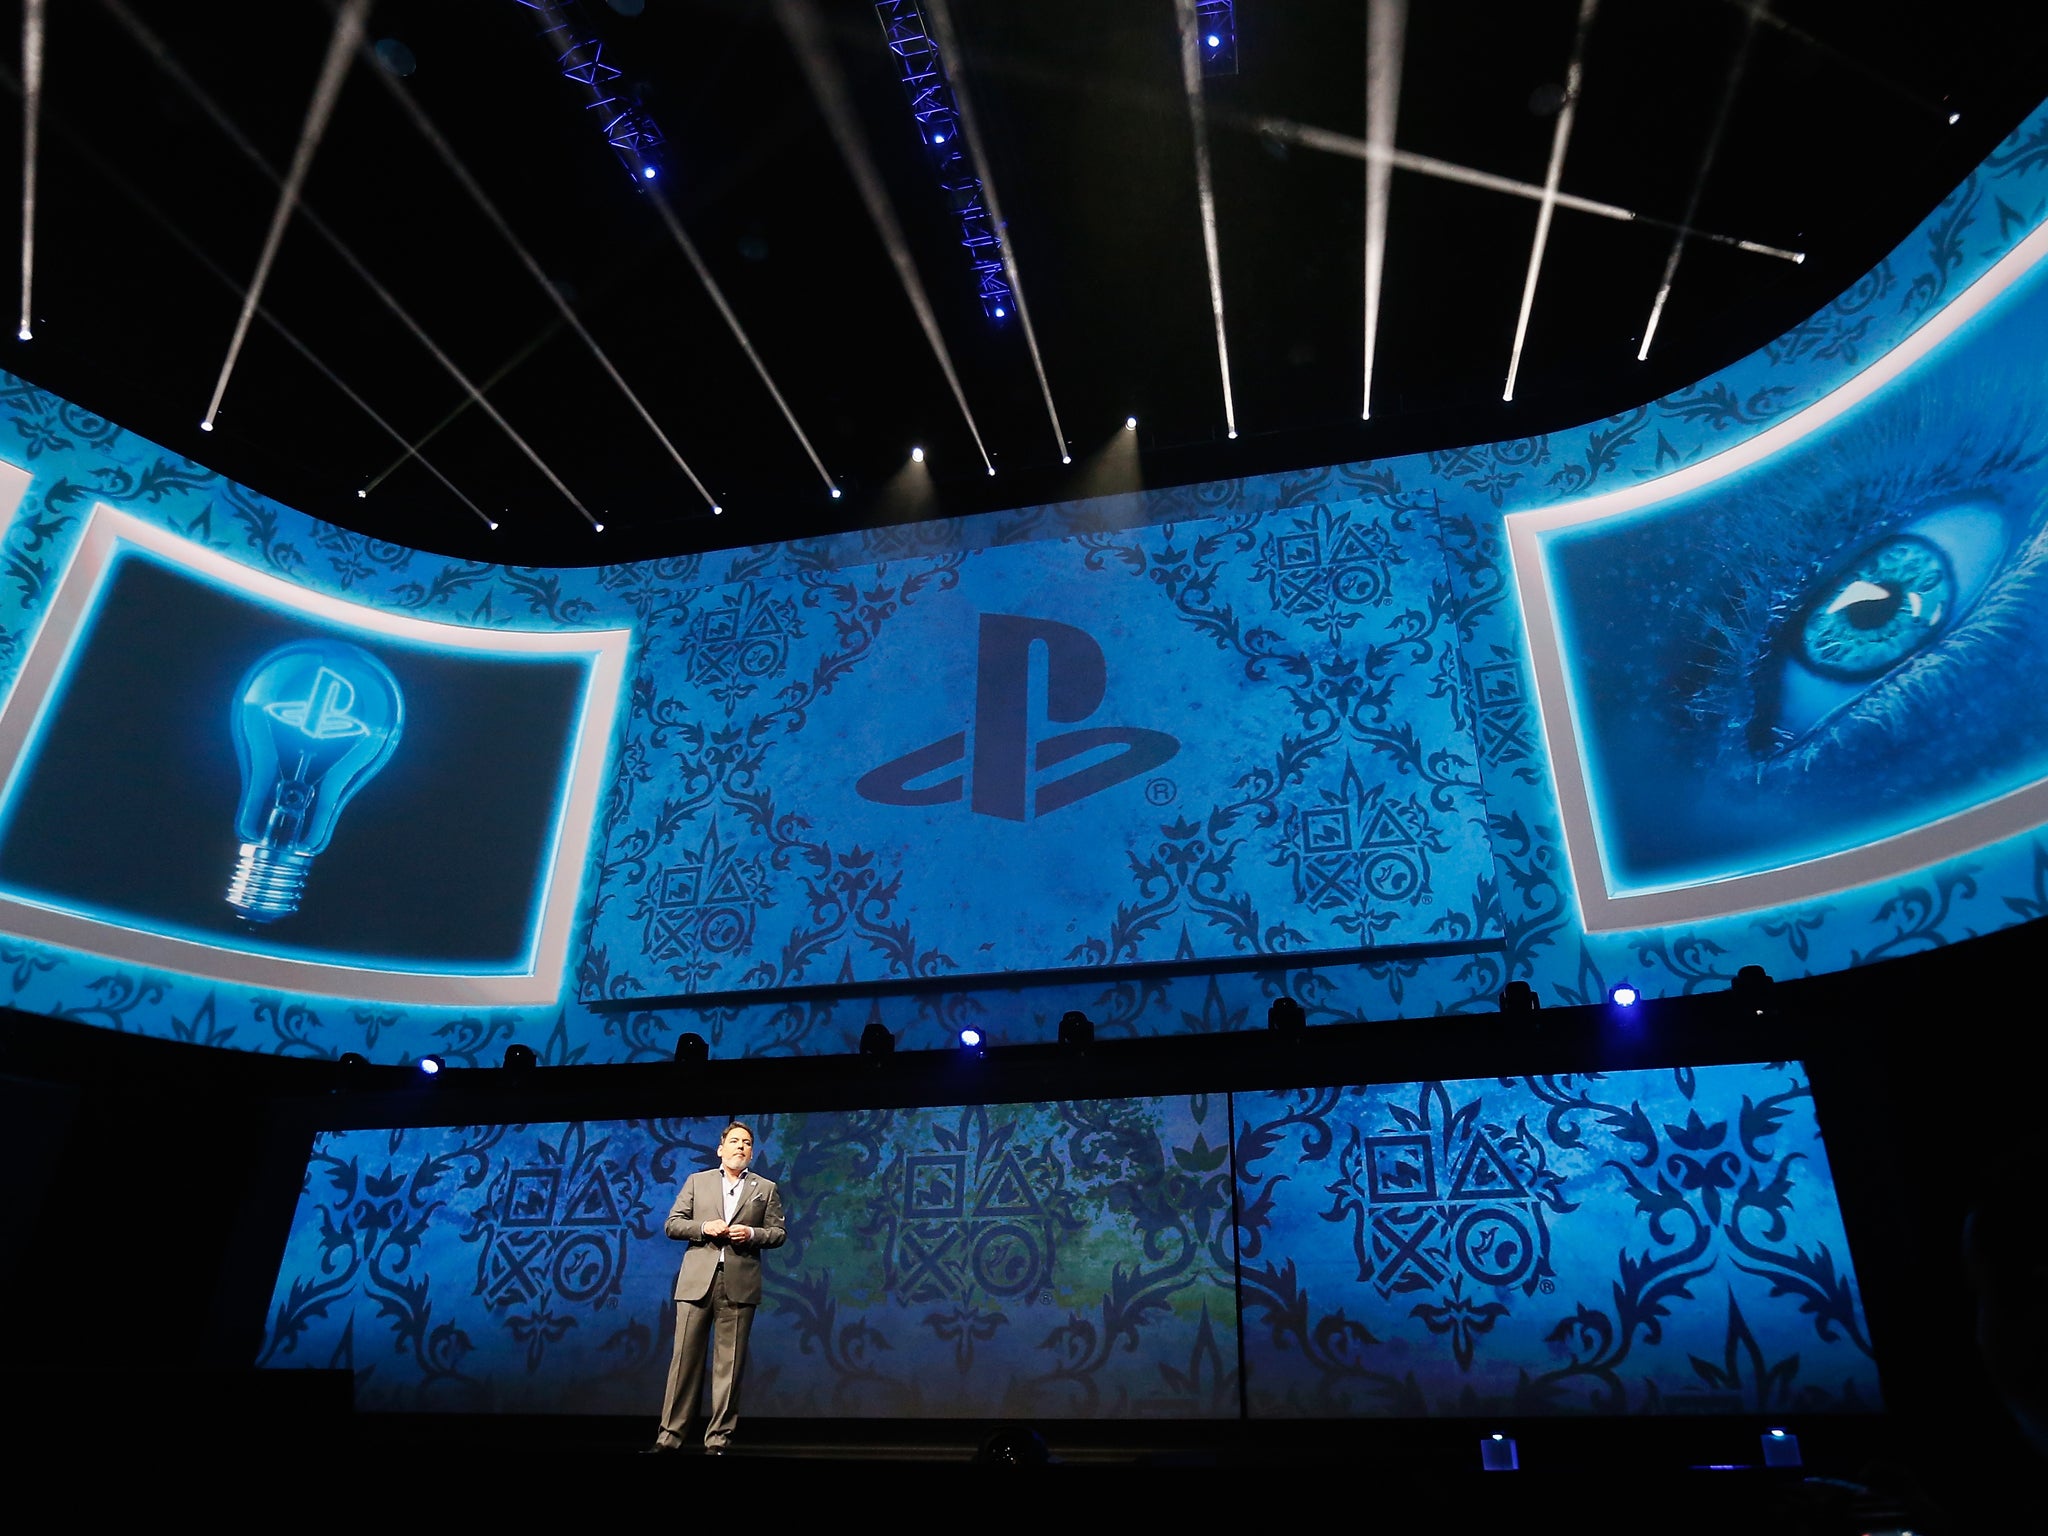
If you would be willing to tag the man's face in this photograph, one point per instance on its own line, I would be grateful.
(736, 1151)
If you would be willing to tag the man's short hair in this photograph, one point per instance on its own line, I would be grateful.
(736, 1125)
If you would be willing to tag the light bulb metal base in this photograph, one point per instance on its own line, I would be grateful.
(267, 882)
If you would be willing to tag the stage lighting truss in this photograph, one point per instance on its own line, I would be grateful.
(1216, 31)
(579, 53)
(938, 124)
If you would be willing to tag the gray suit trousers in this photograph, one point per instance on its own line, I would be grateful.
(697, 1322)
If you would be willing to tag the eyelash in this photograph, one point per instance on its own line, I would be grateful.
(1770, 593)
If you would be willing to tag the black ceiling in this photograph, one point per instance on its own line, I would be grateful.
(1838, 144)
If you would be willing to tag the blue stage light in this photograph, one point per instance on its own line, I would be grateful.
(647, 172)
(930, 96)
(430, 1066)
(1622, 995)
(835, 493)
(970, 1039)
(1215, 41)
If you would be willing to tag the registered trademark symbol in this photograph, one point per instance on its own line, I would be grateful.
(1160, 792)
(1547, 1286)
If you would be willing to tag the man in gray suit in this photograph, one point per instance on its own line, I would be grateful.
(727, 1215)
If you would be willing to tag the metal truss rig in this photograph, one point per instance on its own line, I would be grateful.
(938, 124)
(579, 54)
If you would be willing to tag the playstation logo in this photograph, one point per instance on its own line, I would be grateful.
(1005, 754)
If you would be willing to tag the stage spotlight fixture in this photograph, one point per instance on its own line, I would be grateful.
(1001, 313)
(876, 1041)
(835, 493)
(1286, 1018)
(1519, 997)
(971, 1040)
(647, 172)
(1752, 988)
(1953, 119)
(917, 455)
(1623, 995)
(1066, 458)
(23, 334)
(1215, 41)
(692, 1050)
(1130, 423)
(598, 526)
(493, 526)
(206, 426)
(716, 511)
(362, 495)
(1781, 1448)
(1233, 434)
(520, 1058)
(1497, 1453)
(1013, 1445)
(1077, 1031)
(431, 1066)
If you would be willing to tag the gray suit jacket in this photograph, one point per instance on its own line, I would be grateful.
(702, 1199)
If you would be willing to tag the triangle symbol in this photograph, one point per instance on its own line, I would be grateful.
(1006, 1192)
(764, 621)
(592, 1205)
(1485, 1175)
(726, 886)
(1384, 830)
(1351, 545)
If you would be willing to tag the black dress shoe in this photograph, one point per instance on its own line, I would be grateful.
(661, 1447)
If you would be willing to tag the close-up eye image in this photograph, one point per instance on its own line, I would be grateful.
(1837, 643)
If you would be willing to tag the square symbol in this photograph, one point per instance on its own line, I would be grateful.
(679, 887)
(530, 1201)
(721, 625)
(1498, 684)
(1291, 551)
(933, 1184)
(1326, 831)
(1399, 1170)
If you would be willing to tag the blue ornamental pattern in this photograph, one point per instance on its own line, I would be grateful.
(1636, 1242)
(1061, 1260)
(1367, 608)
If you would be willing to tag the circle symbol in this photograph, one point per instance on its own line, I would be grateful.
(1006, 1260)
(1494, 1246)
(583, 1267)
(1160, 792)
(1392, 876)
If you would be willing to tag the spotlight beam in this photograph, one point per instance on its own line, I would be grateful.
(456, 411)
(1444, 170)
(805, 30)
(717, 295)
(1560, 140)
(1386, 25)
(427, 130)
(341, 47)
(1699, 181)
(32, 12)
(159, 54)
(98, 162)
(1191, 83)
(949, 48)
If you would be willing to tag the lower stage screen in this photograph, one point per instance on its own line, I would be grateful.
(1641, 1242)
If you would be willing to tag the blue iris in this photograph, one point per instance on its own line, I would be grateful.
(1896, 595)
(1886, 603)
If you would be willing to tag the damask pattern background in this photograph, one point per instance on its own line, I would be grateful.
(1641, 1242)
(1060, 1260)
(1634, 1242)
(1394, 792)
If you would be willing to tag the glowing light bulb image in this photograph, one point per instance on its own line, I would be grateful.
(313, 723)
